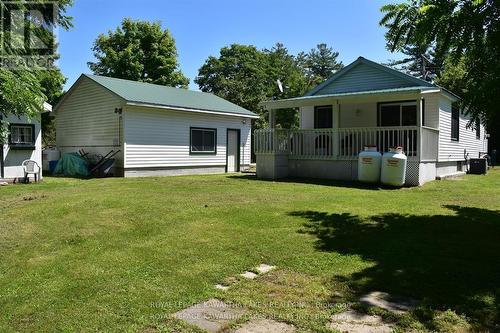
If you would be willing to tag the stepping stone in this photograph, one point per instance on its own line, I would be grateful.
(385, 301)
(263, 268)
(265, 326)
(221, 287)
(356, 322)
(212, 315)
(249, 275)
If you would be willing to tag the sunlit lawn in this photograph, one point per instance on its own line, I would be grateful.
(123, 254)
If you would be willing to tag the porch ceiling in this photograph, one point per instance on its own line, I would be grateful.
(325, 99)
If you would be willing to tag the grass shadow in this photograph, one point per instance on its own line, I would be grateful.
(450, 261)
(313, 181)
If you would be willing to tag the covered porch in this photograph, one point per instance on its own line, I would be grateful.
(335, 128)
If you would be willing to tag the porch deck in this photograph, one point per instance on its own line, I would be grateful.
(333, 153)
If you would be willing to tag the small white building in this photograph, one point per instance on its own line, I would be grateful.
(24, 143)
(158, 130)
(366, 103)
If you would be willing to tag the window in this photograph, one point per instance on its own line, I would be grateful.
(455, 121)
(323, 117)
(21, 135)
(203, 141)
(398, 114)
(478, 129)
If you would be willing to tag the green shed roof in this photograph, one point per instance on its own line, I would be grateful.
(156, 95)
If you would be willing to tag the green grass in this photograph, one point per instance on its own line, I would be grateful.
(124, 254)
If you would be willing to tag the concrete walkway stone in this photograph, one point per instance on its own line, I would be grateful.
(221, 287)
(355, 322)
(265, 326)
(264, 268)
(386, 302)
(212, 315)
(249, 275)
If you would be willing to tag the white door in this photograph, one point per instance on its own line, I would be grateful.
(232, 151)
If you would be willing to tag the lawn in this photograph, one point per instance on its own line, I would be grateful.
(124, 254)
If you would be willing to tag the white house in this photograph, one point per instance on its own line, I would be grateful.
(368, 103)
(24, 143)
(159, 130)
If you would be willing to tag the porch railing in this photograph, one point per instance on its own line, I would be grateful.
(345, 143)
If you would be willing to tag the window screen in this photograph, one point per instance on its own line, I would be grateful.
(21, 135)
(323, 117)
(203, 140)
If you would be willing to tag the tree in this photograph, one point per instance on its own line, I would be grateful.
(52, 83)
(138, 51)
(238, 75)
(247, 76)
(418, 61)
(286, 68)
(24, 88)
(319, 63)
(467, 33)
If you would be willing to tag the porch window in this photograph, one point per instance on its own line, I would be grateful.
(21, 135)
(323, 117)
(455, 121)
(203, 141)
(398, 114)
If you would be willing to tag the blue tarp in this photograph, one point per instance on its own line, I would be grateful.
(73, 165)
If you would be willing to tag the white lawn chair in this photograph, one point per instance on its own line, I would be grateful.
(30, 167)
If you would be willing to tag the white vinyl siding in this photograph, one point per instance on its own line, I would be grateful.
(159, 138)
(431, 118)
(307, 117)
(450, 150)
(87, 117)
(358, 115)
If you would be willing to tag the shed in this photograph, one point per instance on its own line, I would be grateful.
(159, 130)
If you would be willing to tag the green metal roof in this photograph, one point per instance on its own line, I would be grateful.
(156, 95)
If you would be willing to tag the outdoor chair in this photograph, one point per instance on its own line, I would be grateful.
(31, 167)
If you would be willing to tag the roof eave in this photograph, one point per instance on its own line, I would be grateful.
(318, 99)
(178, 108)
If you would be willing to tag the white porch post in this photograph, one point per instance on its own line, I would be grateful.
(419, 124)
(272, 118)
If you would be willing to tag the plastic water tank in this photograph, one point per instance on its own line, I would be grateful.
(369, 161)
(49, 154)
(394, 167)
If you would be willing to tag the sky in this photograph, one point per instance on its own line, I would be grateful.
(202, 27)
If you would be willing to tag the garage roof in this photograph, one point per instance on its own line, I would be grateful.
(153, 95)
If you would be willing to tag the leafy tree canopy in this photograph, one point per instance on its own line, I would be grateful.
(248, 76)
(23, 89)
(418, 61)
(319, 63)
(139, 51)
(463, 32)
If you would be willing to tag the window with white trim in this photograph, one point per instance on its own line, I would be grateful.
(203, 141)
(21, 135)
(398, 114)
